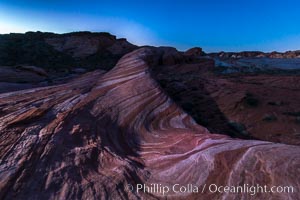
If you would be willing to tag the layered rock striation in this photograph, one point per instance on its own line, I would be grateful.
(100, 134)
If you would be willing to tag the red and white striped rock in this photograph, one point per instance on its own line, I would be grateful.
(89, 138)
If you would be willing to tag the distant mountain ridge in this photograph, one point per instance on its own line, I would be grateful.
(257, 54)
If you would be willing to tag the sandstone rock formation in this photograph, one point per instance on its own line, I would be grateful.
(84, 44)
(21, 74)
(20, 77)
(91, 137)
(63, 52)
(196, 51)
(39, 59)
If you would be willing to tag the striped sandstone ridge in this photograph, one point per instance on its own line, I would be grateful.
(90, 138)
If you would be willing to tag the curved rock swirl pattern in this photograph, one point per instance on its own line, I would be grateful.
(90, 138)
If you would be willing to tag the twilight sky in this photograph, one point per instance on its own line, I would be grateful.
(214, 25)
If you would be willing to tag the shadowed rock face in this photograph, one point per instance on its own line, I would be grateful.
(63, 52)
(37, 59)
(248, 106)
(82, 45)
(90, 138)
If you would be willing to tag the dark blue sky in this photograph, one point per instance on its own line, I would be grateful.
(215, 25)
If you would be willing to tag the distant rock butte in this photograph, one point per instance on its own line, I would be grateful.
(59, 54)
(91, 137)
(196, 51)
(83, 44)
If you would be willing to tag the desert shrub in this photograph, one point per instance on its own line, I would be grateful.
(188, 106)
(239, 127)
(275, 103)
(294, 114)
(194, 88)
(200, 119)
(163, 83)
(177, 98)
(269, 118)
(251, 100)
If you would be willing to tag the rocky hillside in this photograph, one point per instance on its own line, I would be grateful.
(60, 57)
(249, 106)
(89, 116)
(63, 52)
(101, 134)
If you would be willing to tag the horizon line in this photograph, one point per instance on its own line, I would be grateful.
(177, 48)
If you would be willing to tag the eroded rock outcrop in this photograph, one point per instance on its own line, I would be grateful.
(84, 44)
(90, 138)
(195, 51)
(61, 53)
